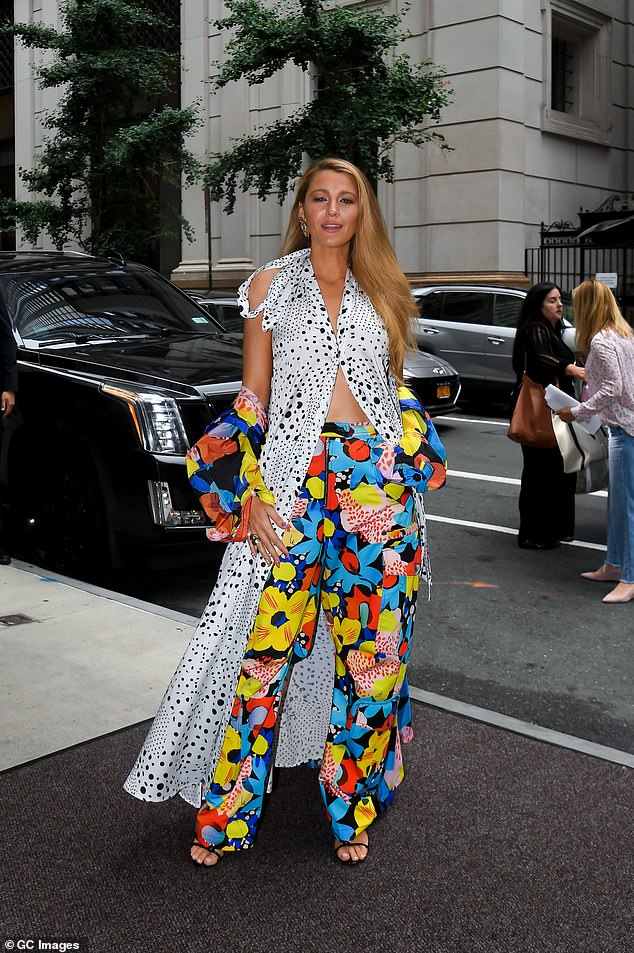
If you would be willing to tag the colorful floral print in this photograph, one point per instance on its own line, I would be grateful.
(223, 467)
(354, 548)
(419, 459)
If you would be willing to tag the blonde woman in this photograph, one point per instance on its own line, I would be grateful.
(316, 474)
(607, 339)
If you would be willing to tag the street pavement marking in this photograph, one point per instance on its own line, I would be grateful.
(512, 481)
(519, 727)
(472, 420)
(483, 476)
(464, 582)
(582, 544)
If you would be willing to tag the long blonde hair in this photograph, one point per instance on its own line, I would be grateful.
(595, 309)
(372, 259)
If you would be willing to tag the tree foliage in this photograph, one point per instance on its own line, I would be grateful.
(369, 95)
(111, 141)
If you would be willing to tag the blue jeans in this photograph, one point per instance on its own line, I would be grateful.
(621, 503)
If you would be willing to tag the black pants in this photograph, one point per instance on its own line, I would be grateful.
(547, 497)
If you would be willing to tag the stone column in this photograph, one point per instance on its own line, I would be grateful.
(196, 67)
(474, 195)
(31, 102)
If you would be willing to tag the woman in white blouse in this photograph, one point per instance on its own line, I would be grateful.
(608, 340)
(302, 651)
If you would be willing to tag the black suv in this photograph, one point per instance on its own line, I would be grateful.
(119, 372)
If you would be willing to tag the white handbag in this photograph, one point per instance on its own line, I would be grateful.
(584, 454)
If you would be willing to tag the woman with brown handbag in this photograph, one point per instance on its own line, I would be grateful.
(547, 494)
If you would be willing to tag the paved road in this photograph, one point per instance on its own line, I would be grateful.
(513, 631)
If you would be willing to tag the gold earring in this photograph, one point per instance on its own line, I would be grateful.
(304, 227)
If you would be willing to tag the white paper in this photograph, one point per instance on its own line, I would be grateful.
(557, 399)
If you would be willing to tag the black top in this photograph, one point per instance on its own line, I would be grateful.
(541, 351)
(8, 354)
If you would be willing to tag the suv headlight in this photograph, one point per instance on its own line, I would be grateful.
(156, 418)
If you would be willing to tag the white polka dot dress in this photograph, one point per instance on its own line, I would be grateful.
(182, 747)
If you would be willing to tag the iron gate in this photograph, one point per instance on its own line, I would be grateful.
(568, 263)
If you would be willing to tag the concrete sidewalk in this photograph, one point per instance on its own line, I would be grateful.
(83, 662)
(78, 662)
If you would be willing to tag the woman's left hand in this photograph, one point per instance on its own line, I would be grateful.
(573, 370)
(566, 414)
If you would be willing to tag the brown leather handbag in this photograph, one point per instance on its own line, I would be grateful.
(532, 420)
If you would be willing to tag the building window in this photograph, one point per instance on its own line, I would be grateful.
(576, 71)
(562, 85)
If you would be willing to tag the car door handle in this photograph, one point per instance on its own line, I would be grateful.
(430, 331)
(496, 340)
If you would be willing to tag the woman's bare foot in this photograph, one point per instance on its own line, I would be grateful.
(207, 856)
(605, 573)
(624, 592)
(354, 851)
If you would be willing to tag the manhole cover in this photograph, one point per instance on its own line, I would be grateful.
(17, 619)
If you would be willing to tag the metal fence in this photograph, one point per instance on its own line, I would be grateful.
(568, 263)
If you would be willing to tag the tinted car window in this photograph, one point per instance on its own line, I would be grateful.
(431, 305)
(506, 311)
(116, 304)
(229, 315)
(467, 307)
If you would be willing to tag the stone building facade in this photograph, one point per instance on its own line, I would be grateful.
(541, 125)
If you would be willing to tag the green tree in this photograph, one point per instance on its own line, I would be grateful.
(369, 96)
(112, 141)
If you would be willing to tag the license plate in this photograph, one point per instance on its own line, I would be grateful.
(443, 390)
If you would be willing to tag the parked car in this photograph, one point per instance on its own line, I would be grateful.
(435, 381)
(223, 306)
(119, 372)
(473, 327)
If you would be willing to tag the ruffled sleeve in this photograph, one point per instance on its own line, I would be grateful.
(223, 467)
(281, 290)
(419, 460)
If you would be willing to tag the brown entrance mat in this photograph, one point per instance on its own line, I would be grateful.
(495, 843)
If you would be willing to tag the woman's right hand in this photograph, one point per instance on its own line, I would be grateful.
(262, 519)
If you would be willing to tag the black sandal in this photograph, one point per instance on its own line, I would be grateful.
(347, 843)
(209, 849)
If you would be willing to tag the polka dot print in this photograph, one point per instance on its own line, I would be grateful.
(184, 742)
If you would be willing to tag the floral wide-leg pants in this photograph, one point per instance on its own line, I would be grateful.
(354, 548)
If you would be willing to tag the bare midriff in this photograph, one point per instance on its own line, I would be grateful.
(343, 406)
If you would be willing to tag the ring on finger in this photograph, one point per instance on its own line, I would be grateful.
(255, 539)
